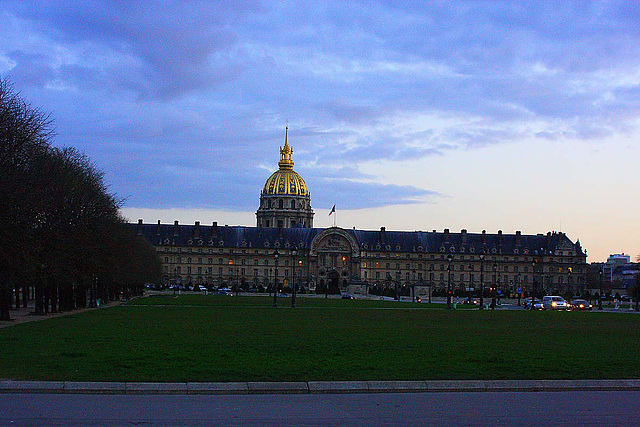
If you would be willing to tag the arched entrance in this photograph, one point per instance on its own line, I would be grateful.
(335, 256)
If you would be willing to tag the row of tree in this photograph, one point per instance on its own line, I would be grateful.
(63, 241)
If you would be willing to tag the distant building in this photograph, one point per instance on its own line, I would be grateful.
(614, 261)
(358, 261)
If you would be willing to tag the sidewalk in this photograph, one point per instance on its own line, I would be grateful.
(316, 387)
(27, 314)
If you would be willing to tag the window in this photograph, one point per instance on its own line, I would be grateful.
(179, 260)
(293, 204)
(230, 262)
(199, 260)
(210, 260)
(280, 204)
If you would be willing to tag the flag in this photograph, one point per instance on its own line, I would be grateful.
(333, 209)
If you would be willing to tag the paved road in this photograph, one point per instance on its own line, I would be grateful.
(512, 408)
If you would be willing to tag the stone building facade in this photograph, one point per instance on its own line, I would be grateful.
(285, 248)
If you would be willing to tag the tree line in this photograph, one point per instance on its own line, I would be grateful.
(63, 241)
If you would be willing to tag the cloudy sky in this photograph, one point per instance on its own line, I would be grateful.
(410, 115)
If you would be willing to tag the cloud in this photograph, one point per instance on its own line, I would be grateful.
(184, 103)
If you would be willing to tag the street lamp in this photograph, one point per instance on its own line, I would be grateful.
(533, 285)
(293, 294)
(430, 281)
(495, 274)
(469, 286)
(600, 295)
(413, 293)
(449, 259)
(482, 255)
(276, 254)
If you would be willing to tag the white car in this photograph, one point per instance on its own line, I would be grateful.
(554, 302)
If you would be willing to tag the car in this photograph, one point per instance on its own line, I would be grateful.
(224, 292)
(554, 302)
(537, 304)
(581, 304)
(348, 296)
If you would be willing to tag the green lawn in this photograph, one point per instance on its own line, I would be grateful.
(216, 338)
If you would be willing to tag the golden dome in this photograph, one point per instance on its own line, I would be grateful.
(285, 181)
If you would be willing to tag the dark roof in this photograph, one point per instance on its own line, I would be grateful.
(370, 240)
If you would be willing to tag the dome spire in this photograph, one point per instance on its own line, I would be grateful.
(286, 153)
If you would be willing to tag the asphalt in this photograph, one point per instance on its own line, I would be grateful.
(314, 387)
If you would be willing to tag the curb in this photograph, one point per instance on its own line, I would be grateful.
(315, 387)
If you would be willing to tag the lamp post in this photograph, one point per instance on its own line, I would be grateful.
(482, 255)
(293, 294)
(276, 254)
(413, 287)
(449, 259)
(533, 285)
(600, 295)
(637, 287)
(495, 274)
(430, 281)
(469, 286)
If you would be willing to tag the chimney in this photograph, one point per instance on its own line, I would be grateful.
(499, 237)
(175, 228)
(158, 228)
(196, 231)
(463, 232)
(518, 238)
(446, 235)
(383, 234)
(139, 230)
(484, 236)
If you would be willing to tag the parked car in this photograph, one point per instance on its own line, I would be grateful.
(348, 296)
(537, 304)
(224, 292)
(554, 302)
(581, 304)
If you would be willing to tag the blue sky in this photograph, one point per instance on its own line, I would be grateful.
(411, 115)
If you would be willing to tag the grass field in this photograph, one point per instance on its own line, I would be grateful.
(216, 338)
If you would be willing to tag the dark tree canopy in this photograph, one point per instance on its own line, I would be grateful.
(62, 233)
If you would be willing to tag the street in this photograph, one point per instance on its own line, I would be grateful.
(509, 408)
